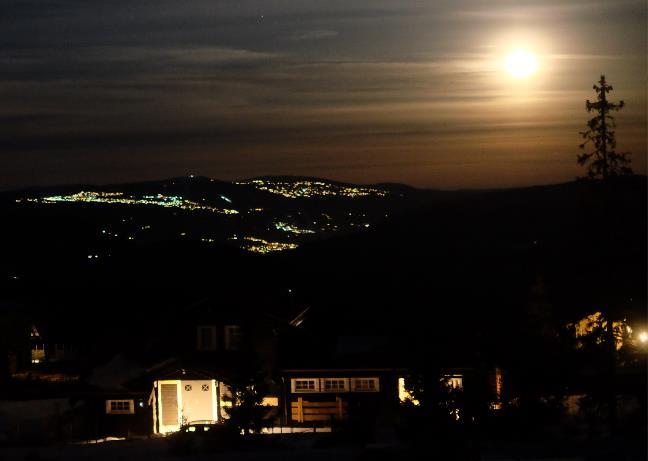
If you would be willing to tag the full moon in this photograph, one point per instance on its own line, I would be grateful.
(521, 63)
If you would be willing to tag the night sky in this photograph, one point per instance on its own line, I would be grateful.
(361, 91)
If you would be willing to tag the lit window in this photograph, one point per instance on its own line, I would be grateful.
(120, 407)
(335, 385)
(270, 402)
(365, 385)
(404, 395)
(454, 381)
(37, 353)
(305, 385)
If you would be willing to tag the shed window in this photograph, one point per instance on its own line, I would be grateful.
(120, 407)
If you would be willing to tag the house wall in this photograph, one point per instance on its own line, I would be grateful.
(134, 421)
(322, 406)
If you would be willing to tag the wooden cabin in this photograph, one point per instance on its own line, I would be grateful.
(328, 396)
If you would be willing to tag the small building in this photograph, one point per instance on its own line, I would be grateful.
(51, 347)
(117, 413)
(184, 397)
(213, 344)
(330, 396)
(329, 379)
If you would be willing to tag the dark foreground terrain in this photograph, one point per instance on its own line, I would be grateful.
(319, 447)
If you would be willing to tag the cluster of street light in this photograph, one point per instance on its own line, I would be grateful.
(285, 227)
(167, 201)
(308, 189)
(259, 245)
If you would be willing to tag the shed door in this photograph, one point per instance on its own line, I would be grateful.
(169, 404)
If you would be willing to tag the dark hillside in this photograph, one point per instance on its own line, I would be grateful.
(475, 258)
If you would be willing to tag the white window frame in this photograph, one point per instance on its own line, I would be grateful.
(315, 381)
(199, 337)
(111, 411)
(357, 387)
(345, 385)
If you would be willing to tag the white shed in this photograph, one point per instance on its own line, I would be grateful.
(177, 402)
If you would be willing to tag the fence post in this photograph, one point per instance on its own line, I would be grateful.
(300, 410)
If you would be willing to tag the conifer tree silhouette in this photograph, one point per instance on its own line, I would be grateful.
(603, 162)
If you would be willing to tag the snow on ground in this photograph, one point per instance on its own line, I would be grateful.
(156, 449)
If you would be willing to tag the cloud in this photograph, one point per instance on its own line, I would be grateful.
(314, 34)
(88, 78)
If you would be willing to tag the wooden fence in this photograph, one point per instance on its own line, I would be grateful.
(304, 411)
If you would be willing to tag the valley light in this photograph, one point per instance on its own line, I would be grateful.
(643, 337)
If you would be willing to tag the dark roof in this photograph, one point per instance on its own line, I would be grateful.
(301, 348)
(175, 368)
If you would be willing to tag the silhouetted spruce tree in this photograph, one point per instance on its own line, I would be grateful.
(603, 161)
(246, 413)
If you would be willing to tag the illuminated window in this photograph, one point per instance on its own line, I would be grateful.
(365, 385)
(454, 381)
(336, 385)
(404, 395)
(120, 407)
(206, 338)
(232, 337)
(305, 385)
(38, 353)
(270, 402)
